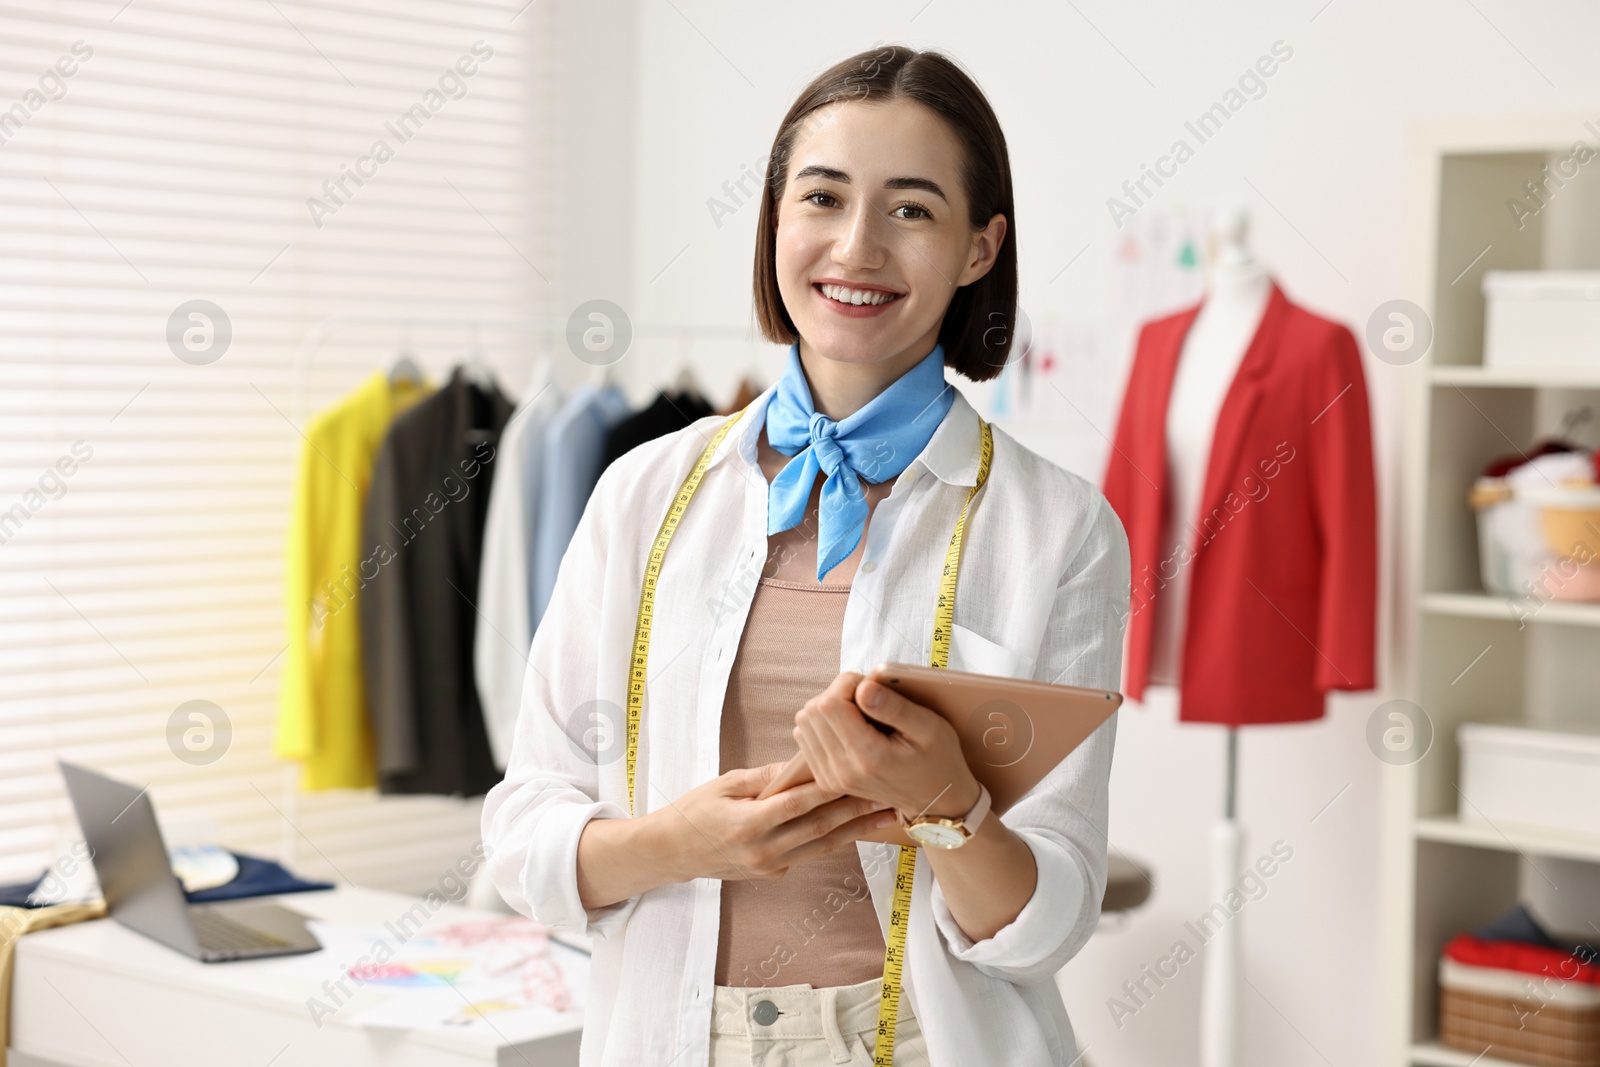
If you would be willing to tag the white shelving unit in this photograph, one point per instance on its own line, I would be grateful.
(1465, 655)
(1517, 377)
(1484, 606)
(1436, 1055)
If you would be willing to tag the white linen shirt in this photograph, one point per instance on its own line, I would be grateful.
(505, 581)
(1042, 593)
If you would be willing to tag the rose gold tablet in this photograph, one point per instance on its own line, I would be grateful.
(1013, 731)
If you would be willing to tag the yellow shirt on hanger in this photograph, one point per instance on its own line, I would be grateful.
(322, 708)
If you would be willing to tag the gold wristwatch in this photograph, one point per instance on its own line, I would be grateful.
(942, 831)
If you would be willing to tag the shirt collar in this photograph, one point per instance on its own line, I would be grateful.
(952, 454)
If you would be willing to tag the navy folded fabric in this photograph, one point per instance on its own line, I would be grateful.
(1519, 925)
(257, 878)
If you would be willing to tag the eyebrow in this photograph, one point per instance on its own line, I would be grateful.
(927, 185)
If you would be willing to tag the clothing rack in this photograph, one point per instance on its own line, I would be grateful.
(326, 328)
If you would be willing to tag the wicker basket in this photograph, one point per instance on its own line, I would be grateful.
(1518, 1017)
(1573, 532)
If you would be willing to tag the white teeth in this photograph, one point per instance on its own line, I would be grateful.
(857, 296)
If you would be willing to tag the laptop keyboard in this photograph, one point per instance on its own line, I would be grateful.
(219, 933)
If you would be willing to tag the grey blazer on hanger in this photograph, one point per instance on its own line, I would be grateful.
(422, 541)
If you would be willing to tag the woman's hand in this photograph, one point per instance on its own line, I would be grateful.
(719, 829)
(919, 769)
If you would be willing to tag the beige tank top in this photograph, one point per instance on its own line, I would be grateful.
(816, 925)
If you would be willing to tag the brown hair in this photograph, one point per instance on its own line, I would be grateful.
(977, 326)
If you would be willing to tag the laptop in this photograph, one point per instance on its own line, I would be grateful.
(142, 893)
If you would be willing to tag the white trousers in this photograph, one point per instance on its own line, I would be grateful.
(799, 1026)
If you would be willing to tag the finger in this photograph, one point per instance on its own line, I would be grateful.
(822, 769)
(834, 731)
(893, 709)
(796, 802)
(843, 686)
(845, 834)
(843, 726)
(750, 781)
(833, 737)
(827, 818)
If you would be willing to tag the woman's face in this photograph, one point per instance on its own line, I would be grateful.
(872, 231)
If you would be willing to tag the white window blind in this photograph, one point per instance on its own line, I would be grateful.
(159, 152)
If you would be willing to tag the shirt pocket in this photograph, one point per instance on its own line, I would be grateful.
(971, 651)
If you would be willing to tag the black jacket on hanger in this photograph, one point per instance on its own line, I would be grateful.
(422, 538)
(667, 412)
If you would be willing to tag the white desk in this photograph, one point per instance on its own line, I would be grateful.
(97, 994)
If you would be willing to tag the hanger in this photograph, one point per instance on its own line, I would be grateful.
(1572, 420)
(685, 382)
(544, 375)
(747, 391)
(405, 369)
(749, 386)
(475, 368)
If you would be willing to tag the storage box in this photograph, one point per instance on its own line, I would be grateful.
(1522, 1018)
(1510, 552)
(1570, 519)
(1546, 777)
(1541, 318)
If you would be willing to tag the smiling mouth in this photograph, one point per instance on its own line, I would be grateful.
(844, 294)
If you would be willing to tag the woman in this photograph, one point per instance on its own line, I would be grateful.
(729, 929)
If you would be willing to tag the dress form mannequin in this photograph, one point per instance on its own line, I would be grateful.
(1236, 299)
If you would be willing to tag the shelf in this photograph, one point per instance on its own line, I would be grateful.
(1434, 1054)
(1532, 377)
(1511, 609)
(1504, 837)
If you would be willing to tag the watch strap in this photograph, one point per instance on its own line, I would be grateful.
(970, 821)
(980, 810)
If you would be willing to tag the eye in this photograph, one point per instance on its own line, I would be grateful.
(921, 212)
(811, 197)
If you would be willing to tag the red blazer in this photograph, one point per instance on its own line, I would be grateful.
(1283, 591)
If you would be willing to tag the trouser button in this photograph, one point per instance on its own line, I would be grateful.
(766, 1012)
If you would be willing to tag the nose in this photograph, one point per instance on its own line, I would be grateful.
(861, 244)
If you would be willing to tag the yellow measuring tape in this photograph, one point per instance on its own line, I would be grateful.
(943, 620)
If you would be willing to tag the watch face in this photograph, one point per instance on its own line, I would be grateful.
(937, 835)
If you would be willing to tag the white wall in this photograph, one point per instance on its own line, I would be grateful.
(185, 157)
(1088, 93)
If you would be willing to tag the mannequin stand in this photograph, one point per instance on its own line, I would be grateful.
(1219, 995)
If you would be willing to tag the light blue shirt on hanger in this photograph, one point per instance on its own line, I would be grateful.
(574, 452)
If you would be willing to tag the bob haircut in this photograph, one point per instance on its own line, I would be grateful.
(977, 327)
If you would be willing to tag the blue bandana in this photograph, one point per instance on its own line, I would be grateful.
(876, 443)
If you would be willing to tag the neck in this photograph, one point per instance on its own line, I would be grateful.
(1237, 275)
(840, 388)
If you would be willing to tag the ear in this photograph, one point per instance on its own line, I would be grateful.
(985, 250)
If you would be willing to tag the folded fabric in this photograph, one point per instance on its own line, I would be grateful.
(1550, 471)
(14, 922)
(1501, 466)
(1518, 924)
(1523, 958)
(257, 878)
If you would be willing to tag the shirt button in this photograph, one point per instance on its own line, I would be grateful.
(869, 566)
